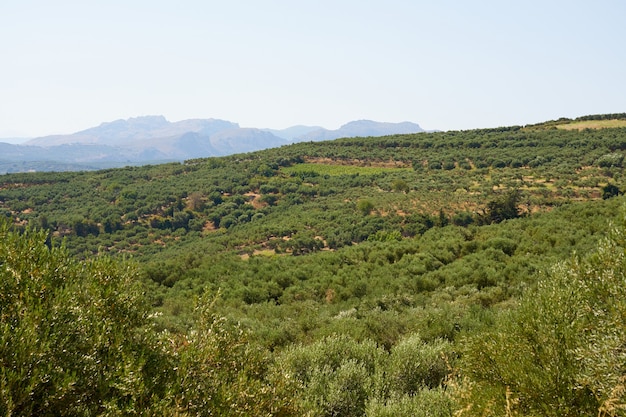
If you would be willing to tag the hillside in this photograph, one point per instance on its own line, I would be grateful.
(343, 262)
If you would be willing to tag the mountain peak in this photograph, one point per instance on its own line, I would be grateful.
(138, 122)
(363, 128)
(148, 119)
(120, 132)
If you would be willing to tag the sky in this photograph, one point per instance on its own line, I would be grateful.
(68, 65)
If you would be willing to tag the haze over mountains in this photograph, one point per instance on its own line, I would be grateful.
(153, 139)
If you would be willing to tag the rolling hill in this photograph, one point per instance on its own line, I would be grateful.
(475, 272)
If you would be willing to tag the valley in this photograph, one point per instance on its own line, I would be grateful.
(473, 272)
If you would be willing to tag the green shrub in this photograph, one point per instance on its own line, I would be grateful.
(219, 371)
(425, 403)
(70, 333)
(414, 365)
(561, 352)
(610, 160)
(365, 207)
(336, 374)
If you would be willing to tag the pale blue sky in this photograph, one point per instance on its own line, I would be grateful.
(69, 65)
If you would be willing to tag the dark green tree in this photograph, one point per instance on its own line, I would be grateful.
(502, 208)
(610, 190)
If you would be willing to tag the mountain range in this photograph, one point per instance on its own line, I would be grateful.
(153, 139)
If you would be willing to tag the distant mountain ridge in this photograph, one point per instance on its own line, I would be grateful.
(293, 133)
(120, 132)
(153, 139)
(362, 128)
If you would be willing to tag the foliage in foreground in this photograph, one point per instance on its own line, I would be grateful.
(71, 333)
(561, 353)
(76, 340)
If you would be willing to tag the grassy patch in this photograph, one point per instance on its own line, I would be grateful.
(592, 124)
(339, 169)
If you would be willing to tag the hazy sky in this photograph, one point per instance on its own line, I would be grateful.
(69, 65)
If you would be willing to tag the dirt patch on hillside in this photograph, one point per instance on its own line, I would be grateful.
(255, 200)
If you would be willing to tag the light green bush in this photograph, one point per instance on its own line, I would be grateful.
(219, 372)
(414, 365)
(425, 403)
(336, 374)
(72, 339)
(561, 352)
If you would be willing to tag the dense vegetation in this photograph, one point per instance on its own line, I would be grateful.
(425, 274)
